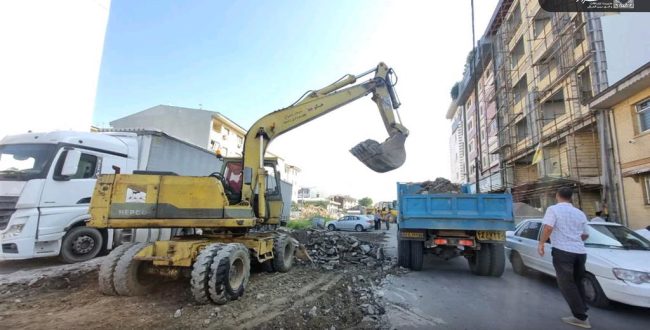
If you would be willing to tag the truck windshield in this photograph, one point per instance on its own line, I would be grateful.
(22, 162)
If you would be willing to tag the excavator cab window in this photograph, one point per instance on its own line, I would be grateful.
(234, 180)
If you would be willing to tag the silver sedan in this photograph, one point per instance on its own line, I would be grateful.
(354, 222)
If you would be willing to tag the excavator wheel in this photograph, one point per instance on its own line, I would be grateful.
(129, 277)
(283, 250)
(107, 270)
(201, 273)
(229, 273)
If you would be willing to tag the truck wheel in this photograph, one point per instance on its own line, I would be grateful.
(201, 273)
(517, 264)
(107, 270)
(479, 263)
(593, 292)
(283, 250)
(404, 253)
(497, 259)
(229, 273)
(81, 244)
(417, 251)
(129, 276)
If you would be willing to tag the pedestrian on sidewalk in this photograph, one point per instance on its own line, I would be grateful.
(567, 228)
(387, 220)
(377, 220)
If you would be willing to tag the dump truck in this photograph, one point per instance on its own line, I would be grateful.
(449, 225)
(47, 180)
(236, 209)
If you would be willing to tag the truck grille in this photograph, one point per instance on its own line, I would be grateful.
(7, 208)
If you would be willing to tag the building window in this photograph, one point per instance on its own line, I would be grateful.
(585, 86)
(643, 113)
(517, 53)
(240, 141)
(646, 186)
(471, 146)
(522, 129)
(226, 131)
(224, 151)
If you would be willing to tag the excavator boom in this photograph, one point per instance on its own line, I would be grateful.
(380, 157)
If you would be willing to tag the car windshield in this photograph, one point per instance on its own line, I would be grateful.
(618, 237)
(22, 162)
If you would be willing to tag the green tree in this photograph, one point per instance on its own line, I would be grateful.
(365, 202)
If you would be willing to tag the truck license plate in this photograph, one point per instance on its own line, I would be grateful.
(490, 236)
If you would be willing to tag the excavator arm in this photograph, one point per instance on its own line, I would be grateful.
(380, 157)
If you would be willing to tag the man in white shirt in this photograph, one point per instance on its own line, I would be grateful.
(567, 228)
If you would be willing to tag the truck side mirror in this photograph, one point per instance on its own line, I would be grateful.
(71, 163)
(248, 175)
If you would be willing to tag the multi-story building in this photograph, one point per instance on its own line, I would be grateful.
(474, 140)
(457, 143)
(207, 129)
(532, 76)
(345, 201)
(624, 126)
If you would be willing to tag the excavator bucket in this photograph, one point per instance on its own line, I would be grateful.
(382, 157)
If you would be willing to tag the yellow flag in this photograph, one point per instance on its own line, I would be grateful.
(538, 155)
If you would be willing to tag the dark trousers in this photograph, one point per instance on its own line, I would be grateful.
(377, 224)
(570, 270)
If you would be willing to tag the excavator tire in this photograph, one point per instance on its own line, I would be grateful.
(283, 250)
(128, 277)
(229, 273)
(201, 273)
(107, 269)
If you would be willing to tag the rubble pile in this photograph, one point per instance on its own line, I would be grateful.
(331, 249)
(439, 186)
(310, 211)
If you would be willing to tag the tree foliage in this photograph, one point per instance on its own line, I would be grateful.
(365, 202)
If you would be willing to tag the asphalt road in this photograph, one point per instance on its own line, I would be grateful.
(445, 295)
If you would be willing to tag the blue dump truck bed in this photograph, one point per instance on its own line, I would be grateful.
(453, 211)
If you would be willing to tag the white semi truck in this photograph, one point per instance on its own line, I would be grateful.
(47, 179)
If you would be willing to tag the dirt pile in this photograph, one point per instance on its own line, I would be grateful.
(439, 186)
(307, 297)
(330, 249)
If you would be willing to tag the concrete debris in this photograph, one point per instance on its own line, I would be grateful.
(439, 186)
(313, 312)
(331, 250)
(178, 313)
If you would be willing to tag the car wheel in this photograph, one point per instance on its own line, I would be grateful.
(331, 228)
(517, 263)
(593, 292)
(358, 228)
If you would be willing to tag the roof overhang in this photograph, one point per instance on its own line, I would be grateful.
(623, 89)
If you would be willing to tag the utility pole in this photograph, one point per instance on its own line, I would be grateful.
(477, 159)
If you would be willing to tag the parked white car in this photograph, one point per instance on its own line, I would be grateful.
(354, 222)
(618, 261)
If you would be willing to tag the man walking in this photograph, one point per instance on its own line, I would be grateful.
(567, 228)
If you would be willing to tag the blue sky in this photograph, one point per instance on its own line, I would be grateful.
(248, 58)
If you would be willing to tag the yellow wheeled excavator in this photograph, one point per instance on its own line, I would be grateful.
(233, 212)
